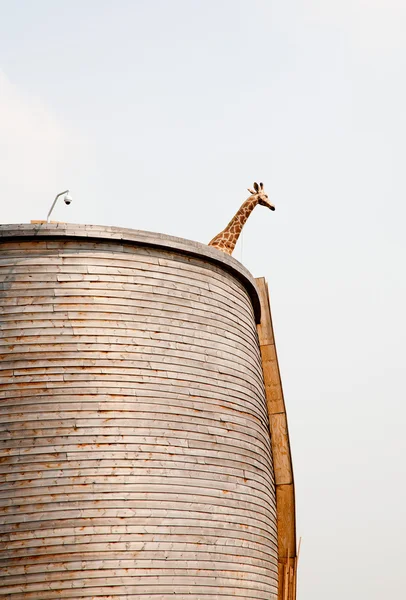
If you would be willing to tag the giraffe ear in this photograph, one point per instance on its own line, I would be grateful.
(256, 188)
(261, 185)
(251, 191)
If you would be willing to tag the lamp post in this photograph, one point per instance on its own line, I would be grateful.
(67, 199)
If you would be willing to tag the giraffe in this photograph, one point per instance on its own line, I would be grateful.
(227, 239)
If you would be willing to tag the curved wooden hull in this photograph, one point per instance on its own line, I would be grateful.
(136, 458)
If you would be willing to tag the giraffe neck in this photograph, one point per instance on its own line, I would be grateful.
(238, 221)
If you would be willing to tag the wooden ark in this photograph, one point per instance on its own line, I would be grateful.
(144, 445)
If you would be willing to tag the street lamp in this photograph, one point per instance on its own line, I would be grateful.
(67, 200)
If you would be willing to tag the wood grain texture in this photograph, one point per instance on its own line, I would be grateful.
(134, 438)
(282, 460)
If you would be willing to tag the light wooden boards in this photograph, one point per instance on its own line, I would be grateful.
(136, 459)
(118, 236)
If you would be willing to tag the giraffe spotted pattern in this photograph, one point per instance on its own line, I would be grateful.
(227, 239)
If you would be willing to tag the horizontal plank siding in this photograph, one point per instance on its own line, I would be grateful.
(135, 457)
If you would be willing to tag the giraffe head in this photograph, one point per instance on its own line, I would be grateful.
(262, 197)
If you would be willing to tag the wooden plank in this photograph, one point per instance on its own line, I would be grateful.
(280, 449)
(273, 389)
(285, 499)
(285, 493)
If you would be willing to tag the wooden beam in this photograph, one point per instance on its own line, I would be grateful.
(278, 425)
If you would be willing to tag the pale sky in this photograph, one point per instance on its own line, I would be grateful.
(158, 114)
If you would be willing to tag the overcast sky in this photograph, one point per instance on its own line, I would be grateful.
(158, 115)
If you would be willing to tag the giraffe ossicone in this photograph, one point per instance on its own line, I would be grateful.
(227, 239)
